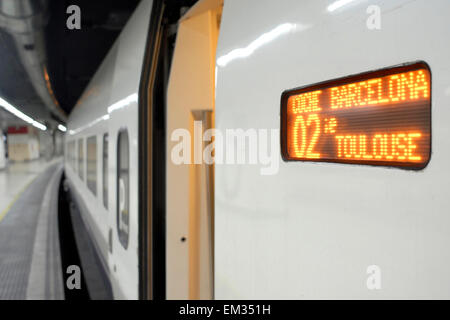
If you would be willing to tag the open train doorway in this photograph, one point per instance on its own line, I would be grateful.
(177, 200)
(190, 113)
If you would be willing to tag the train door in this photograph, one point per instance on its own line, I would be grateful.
(190, 179)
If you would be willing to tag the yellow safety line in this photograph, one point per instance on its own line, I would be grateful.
(4, 212)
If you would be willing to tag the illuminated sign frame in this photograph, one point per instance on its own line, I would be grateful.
(349, 80)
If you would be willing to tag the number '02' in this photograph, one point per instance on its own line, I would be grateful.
(305, 149)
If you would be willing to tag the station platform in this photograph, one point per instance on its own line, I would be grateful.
(30, 260)
(16, 177)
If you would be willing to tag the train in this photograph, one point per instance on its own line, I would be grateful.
(269, 150)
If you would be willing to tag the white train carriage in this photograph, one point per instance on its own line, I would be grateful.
(350, 199)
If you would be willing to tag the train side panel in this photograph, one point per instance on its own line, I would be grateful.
(313, 229)
(109, 106)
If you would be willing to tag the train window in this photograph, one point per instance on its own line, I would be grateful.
(105, 170)
(68, 153)
(81, 159)
(74, 156)
(71, 154)
(91, 174)
(123, 187)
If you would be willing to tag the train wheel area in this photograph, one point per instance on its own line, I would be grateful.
(78, 252)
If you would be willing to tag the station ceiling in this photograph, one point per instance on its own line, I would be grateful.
(70, 57)
(75, 55)
(14, 82)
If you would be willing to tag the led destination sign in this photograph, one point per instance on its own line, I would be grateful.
(377, 118)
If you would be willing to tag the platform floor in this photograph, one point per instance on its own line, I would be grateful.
(29, 252)
(16, 177)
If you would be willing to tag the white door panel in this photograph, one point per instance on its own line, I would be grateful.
(312, 230)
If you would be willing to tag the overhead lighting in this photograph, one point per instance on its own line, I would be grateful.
(62, 128)
(337, 4)
(39, 125)
(19, 114)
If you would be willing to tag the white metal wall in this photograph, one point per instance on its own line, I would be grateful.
(312, 230)
(108, 105)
